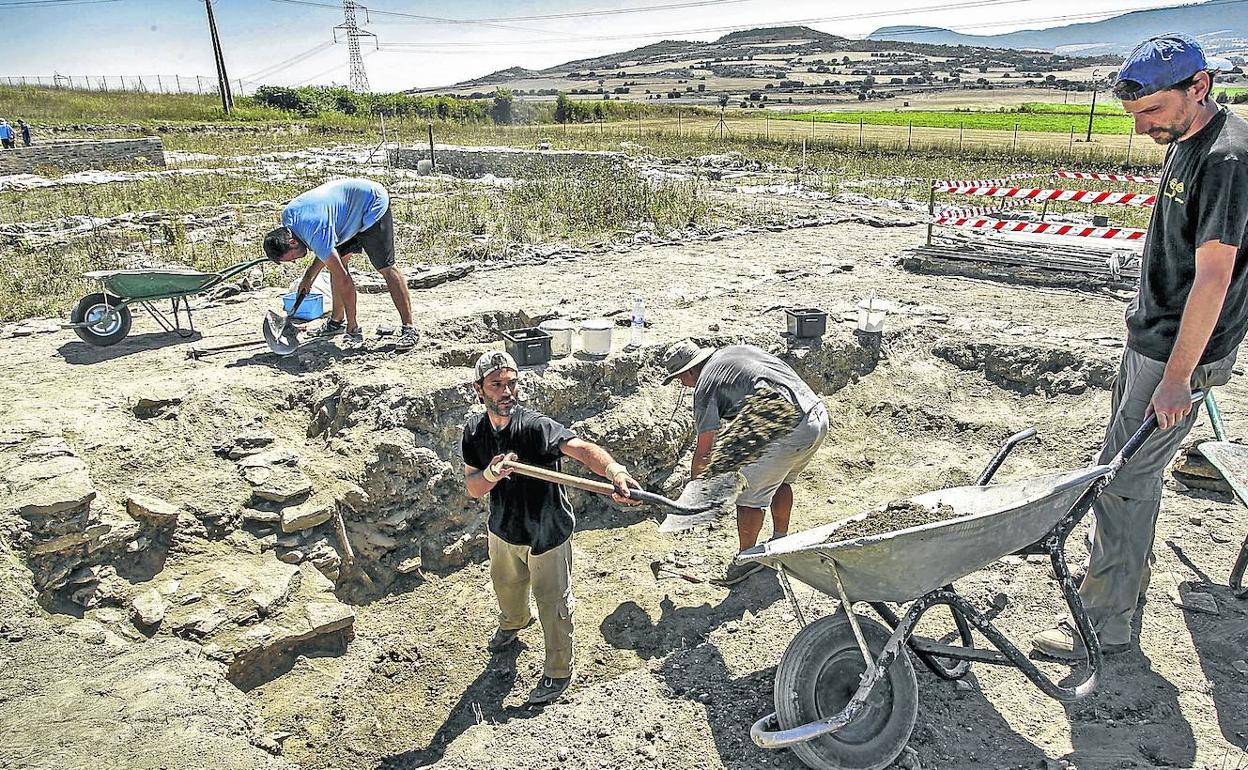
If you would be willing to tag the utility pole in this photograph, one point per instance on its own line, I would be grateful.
(1092, 111)
(359, 78)
(223, 81)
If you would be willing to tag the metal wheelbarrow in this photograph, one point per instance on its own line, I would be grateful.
(103, 318)
(1231, 460)
(845, 692)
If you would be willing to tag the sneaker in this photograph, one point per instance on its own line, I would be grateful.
(737, 572)
(549, 690)
(1064, 644)
(407, 338)
(330, 328)
(355, 338)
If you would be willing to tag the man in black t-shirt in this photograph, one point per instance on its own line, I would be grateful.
(1184, 326)
(531, 521)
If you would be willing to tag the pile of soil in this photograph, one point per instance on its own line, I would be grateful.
(765, 416)
(893, 517)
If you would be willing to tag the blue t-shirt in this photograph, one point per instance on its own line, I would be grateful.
(6, 132)
(333, 213)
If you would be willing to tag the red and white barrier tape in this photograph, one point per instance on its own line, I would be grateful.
(1046, 228)
(979, 211)
(940, 185)
(1107, 177)
(1068, 196)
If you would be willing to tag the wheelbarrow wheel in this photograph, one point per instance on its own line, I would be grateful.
(104, 323)
(816, 678)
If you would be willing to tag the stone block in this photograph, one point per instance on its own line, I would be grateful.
(315, 511)
(151, 509)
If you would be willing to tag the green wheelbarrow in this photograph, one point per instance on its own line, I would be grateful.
(103, 318)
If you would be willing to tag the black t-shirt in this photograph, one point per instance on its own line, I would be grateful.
(523, 510)
(1203, 197)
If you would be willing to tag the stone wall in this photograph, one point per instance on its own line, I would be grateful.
(475, 162)
(77, 156)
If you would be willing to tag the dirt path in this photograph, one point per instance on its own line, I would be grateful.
(671, 673)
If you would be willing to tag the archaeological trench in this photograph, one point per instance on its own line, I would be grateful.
(253, 562)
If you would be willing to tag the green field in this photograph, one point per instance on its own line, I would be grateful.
(1057, 119)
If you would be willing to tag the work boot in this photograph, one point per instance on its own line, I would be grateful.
(549, 690)
(1064, 644)
(736, 573)
(355, 338)
(330, 328)
(502, 639)
(407, 338)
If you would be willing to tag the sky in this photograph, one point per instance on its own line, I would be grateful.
(430, 43)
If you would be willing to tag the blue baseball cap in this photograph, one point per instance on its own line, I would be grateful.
(1162, 61)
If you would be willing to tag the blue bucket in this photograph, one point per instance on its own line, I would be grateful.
(312, 307)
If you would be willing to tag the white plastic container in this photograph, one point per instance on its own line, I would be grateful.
(596, 336)
(871, 314)
(560, 332)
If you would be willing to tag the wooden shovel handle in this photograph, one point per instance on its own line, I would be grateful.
(564, 479)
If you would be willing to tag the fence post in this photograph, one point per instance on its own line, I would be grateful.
(961, 130)
(199, 84)
(860, 133)
(160, 86)
(638, 124)
(1070, 148)
(1014, 149)
(910, 136)
(433, 164)
(240, 87)
(931, 210)
(177, 79)
(812, 124)
(678, 126)
(1130, 136)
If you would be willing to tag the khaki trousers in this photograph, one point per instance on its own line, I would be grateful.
(514, 570)
(1126, 512)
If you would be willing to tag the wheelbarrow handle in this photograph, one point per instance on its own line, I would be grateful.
(587, 485)
(1140, 436)
(1006, 448)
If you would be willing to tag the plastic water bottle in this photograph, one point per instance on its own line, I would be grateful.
(637, 329)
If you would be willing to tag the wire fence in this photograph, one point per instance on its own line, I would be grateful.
(143, 84)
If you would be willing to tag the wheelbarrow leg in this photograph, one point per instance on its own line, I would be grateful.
(933, 662)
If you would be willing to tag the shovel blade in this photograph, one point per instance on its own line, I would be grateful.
(706, 499)
(281, 338)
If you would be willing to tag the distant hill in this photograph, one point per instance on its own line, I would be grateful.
(1220, 25)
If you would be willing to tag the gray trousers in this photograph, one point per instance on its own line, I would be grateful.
(1126, 512)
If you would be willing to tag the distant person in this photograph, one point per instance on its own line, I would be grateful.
(25, 130)
(721, 379)
(531, 521)
(1184, 326)
(334, 221)
(6, 135)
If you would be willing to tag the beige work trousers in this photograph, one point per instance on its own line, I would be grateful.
(514, 570)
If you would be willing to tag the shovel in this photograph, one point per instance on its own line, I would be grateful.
(699, 499)
(1231, 460)
(279, 332)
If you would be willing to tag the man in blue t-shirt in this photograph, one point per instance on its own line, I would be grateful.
(334, 221)
(6, 135)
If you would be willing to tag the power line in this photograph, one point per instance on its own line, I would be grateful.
(36, 4)
(273, 69)
(432, 19)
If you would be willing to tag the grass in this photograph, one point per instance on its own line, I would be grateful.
(443, 220)
(1056, 122)
(49, 106)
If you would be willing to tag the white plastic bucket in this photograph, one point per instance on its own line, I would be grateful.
(596, 336)
(560, 332)
(871, 314)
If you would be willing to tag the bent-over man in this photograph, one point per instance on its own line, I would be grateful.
(721, 379)
(335, 221)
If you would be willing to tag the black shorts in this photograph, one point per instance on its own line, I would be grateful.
(377, 242)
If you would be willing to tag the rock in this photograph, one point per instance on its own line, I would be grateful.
(293, 556)
(151, 509)
(270, 458)
(315, 511)
(148, 407)
(961, 685)
(1241, 666)
(245, 444)
(45, 448)
(408, 566)
(282, 486)
(326, 617)
(147, 609)
(261, 517)
(50, 487)
(1196, 601)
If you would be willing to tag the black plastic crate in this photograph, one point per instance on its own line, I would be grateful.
(806, 321)
(530, 347)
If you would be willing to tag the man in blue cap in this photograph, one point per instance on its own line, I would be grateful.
(1183, 327)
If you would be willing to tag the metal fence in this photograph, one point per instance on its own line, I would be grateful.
(146, 84)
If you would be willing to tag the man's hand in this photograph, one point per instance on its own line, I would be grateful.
(622, 483)
(1171, 402)
(496, 471)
